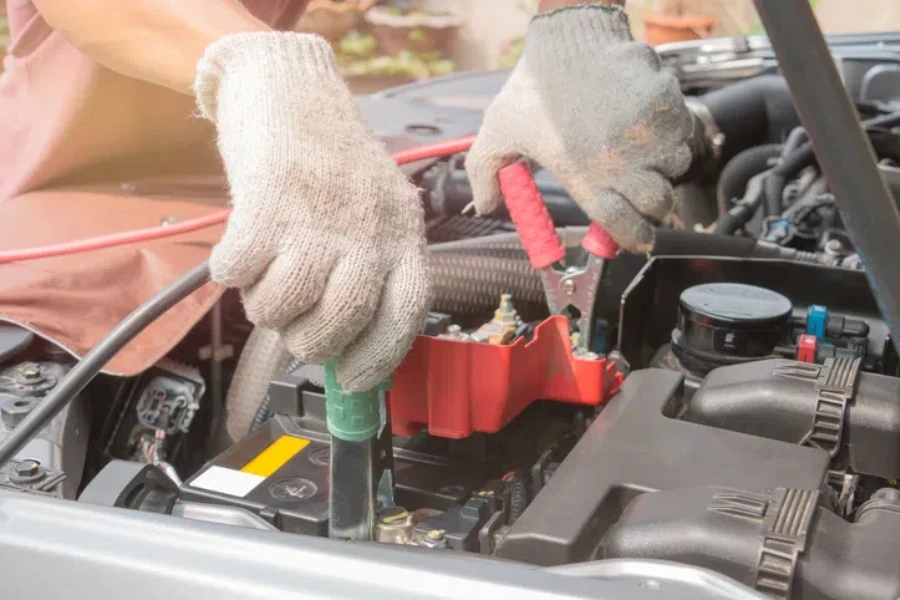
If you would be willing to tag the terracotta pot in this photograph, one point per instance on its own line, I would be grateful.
(663, 29)
(333, 20)
(424, 33)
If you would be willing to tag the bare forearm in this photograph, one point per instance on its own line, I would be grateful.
(159, 41)
(548, 5)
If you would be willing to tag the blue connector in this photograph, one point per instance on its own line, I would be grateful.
(816, 321)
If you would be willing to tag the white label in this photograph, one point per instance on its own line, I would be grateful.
(227, 481)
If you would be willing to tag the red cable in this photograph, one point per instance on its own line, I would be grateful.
(114, 239)
(403, 157)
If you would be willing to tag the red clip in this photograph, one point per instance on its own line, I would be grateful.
(533, 222)
(806, 348)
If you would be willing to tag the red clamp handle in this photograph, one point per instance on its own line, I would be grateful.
(529, 213)
(599, 243)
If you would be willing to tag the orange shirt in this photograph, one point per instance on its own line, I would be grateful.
(65, 118)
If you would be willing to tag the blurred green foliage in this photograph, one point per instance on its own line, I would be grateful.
(357, 58)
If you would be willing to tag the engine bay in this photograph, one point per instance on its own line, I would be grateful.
(733, 403)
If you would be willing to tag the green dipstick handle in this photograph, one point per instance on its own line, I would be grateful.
(352, 417)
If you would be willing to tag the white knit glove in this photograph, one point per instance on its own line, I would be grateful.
(326, 239)
(590, 104)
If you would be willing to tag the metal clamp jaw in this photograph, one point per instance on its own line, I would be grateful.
(572, 291)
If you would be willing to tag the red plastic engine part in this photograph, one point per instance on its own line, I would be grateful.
(455, 388)
(806, 348)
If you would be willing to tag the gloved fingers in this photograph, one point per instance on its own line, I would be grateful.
(491, 152)
(401, 314)
(677, 163)
(648, 192)
(346, 307)
(290, 287)
(620, 219)
(240, 257)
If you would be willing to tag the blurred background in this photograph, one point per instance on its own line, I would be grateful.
(382, 43)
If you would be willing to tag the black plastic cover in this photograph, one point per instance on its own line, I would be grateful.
(780, 542)
(126, 484)
(634, 446)
(832, 406)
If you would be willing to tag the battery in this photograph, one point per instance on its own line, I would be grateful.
(279, 472)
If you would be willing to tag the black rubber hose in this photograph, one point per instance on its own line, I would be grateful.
(753, 112)
(796, 139)
(518, 497)
(89, 366)
(884, 121)
(798, 135)
(676, 242)
(736, 217)
(884, 143)
(739, 170)
(789, 168)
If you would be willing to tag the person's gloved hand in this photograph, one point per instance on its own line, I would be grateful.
(326, 239)
(591, 105)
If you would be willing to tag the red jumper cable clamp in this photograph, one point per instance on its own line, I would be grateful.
(565, 286)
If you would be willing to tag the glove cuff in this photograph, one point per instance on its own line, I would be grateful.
(276, 56)
(584, 24)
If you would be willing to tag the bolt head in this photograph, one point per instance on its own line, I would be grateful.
(569, 286)
(14, 408)
(29, 373)
(28, 468)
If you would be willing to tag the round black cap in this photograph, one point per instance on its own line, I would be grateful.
(727, 323)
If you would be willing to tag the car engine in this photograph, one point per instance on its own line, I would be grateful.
(736, 406)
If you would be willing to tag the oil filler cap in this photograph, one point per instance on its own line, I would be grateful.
(727, 323)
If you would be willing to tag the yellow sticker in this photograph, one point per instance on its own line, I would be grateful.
(275, 456)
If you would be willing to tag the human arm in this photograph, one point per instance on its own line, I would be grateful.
(590, 104)
(159, 41)
(326, 237)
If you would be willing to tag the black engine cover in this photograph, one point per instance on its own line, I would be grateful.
(637, 445)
